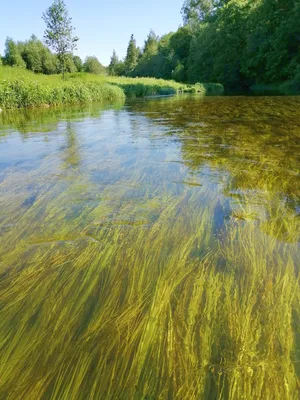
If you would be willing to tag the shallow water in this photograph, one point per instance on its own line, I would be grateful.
(151, 251)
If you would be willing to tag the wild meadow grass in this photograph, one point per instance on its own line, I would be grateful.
(23, 89)
(163, 264)
(20, 88)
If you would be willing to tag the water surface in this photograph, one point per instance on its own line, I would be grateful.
(151, 251)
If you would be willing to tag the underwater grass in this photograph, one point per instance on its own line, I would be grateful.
(146, 317)
(119, 281)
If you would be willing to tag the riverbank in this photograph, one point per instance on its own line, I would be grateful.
(20, 88)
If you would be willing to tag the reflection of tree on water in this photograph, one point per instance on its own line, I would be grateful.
(71, 154)
(254, 142)
(47, 119)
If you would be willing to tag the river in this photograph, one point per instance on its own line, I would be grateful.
(151, 250)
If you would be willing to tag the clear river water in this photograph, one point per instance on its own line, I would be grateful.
(151, 250)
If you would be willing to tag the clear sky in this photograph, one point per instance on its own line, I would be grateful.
(100, 25)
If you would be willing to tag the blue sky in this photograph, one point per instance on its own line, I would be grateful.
(100, 25)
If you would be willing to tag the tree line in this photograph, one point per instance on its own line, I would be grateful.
(234, 42)
(34, 55)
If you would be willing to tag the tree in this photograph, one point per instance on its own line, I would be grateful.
(273, 41)
(217, 49)
(199, 10)
(12, 54)
(93, 66)
(59, 32)
(113, 65)
(158, 59)
(78, 63)
(120, 68)
(70, 65)
(131, 56)
(34, 53)
(151, 44)
(31, 54)
(181, 41)
(116, 66)
(50, 63)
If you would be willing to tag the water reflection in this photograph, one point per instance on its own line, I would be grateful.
(72, 156)
(252, 144)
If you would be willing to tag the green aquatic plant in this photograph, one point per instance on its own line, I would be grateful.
(146, 266)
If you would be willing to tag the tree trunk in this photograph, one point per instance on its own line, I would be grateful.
(63, 68)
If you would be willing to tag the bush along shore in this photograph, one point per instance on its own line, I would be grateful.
(22, 89)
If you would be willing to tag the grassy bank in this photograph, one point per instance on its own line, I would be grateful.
(140, 87)
(21, 88)
(26, 93)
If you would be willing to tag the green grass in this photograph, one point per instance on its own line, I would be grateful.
(21, 88)
(140, 87)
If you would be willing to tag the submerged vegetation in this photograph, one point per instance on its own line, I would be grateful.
(163, 264)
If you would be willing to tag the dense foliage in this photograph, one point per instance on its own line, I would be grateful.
(35, 56)
(116, 67)
(247, 42)
(93, 66)
(132, 55)
(238, 43)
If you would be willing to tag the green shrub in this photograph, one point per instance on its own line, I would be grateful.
(93, 66)
(142, 90)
